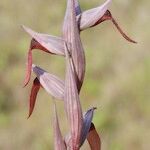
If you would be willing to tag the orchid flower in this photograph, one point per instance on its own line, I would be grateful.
(95, 16)
(51, 83)
(44, 42)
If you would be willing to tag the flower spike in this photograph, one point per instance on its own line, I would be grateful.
(44, 42)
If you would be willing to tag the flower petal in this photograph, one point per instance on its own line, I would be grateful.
(72, 104)
(34, 91)
(77, 7)
(52, 84)
(93, 138)
(121, 31)
(86, 124)
(88, 18)
(58, 139)
(72, 37)
(53, 44)
(28, 68)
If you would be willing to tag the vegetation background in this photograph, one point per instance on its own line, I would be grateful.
(117, 75)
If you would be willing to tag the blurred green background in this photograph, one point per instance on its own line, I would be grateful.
(117, 78)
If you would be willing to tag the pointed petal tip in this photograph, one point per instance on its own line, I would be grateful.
(122, 32)
(24, 28)
(28, 30)
(58, 138)
(25, 83)
(28, 68)
(106, 4)
(33, 66)
(134, 42)
(29, 116)
(26, 80)
(94, 108)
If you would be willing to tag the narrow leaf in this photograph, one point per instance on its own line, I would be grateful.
(58, 139)
(88, 18)
(52, 84)
(33, 95)
(72, 104)
(53, 44)
(88, 116)
(72, 37)
(93, 138)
